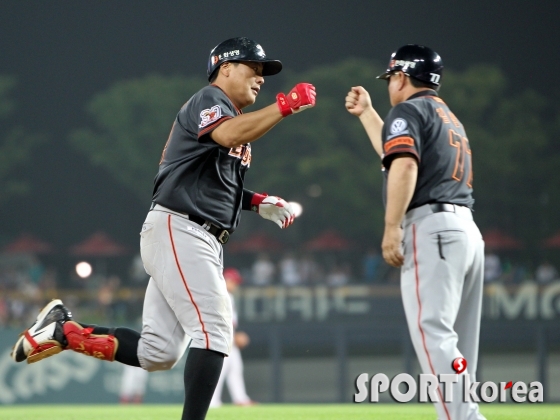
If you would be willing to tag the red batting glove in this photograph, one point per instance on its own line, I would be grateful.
(301, 97)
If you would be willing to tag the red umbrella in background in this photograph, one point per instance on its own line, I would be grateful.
(99, 245)
(496, 239)
(28, 244)
(329, 240)
(552, 242)
(258, 242)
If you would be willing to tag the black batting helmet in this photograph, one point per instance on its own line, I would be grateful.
(417, 61)
(241, 49)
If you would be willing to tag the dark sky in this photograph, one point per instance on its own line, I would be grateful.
(63, 52)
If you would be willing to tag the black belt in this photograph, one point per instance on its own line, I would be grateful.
(439, 207)
(221, 235)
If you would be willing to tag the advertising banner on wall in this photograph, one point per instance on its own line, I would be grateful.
(73, 377)
(526, 301)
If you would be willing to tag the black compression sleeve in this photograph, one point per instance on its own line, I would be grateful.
(247, 197)
(202, 371)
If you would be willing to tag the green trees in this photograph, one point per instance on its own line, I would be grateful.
(16, 145)
(511, 136)
(323, 158)
(131, 122)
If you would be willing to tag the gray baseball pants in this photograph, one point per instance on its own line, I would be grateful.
(442, 285)
(186, 297)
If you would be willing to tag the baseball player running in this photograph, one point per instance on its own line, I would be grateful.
(232, 372)
(429, 228)
(197, 200)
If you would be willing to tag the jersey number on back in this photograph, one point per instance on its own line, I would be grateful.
(463, 154)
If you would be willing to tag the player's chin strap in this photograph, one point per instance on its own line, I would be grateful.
(82, 340)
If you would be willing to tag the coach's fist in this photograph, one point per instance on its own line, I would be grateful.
(357, 101)
(301, 97)
(273, 208)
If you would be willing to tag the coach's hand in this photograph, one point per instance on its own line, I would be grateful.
(301, 97)
(358, 101)
(241, 339)
(273, 208)
(391, 246)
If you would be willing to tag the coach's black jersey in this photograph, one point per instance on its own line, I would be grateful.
(424, 127)
(196, 175)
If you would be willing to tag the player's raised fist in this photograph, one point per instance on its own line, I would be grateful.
(357, 101)
(301, 97)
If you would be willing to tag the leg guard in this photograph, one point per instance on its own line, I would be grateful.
(82, 340)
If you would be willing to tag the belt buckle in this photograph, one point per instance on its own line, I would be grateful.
(223, 237)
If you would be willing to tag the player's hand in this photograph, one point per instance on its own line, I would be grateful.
(241, 339)
(391, 246)
(301, 97)
(358, 101)
(273, 208)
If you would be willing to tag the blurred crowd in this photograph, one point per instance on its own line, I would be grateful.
(307, 269)
(26, 283)
(105, 297)
(500, 269)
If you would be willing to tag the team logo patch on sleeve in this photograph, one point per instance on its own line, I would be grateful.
(398, 126)
(208, 116)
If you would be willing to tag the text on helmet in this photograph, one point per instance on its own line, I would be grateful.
(403, 63)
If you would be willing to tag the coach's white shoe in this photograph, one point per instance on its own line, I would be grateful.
(45, 337)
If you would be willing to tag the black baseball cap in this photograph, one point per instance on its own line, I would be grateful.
(417, 61)
(241, 49)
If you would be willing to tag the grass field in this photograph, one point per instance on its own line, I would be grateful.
(272, 412)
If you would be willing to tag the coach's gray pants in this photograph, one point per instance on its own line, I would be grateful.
(442, 285)
(186, 295)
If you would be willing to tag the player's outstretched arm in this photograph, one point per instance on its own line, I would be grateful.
(249, 127)
(358, 103)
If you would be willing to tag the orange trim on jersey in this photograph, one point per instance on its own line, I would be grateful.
(399, 141)
(417, 277)
(212, 126)
(185, 282)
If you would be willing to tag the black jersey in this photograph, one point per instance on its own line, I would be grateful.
(196, 175)
(424, 127)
